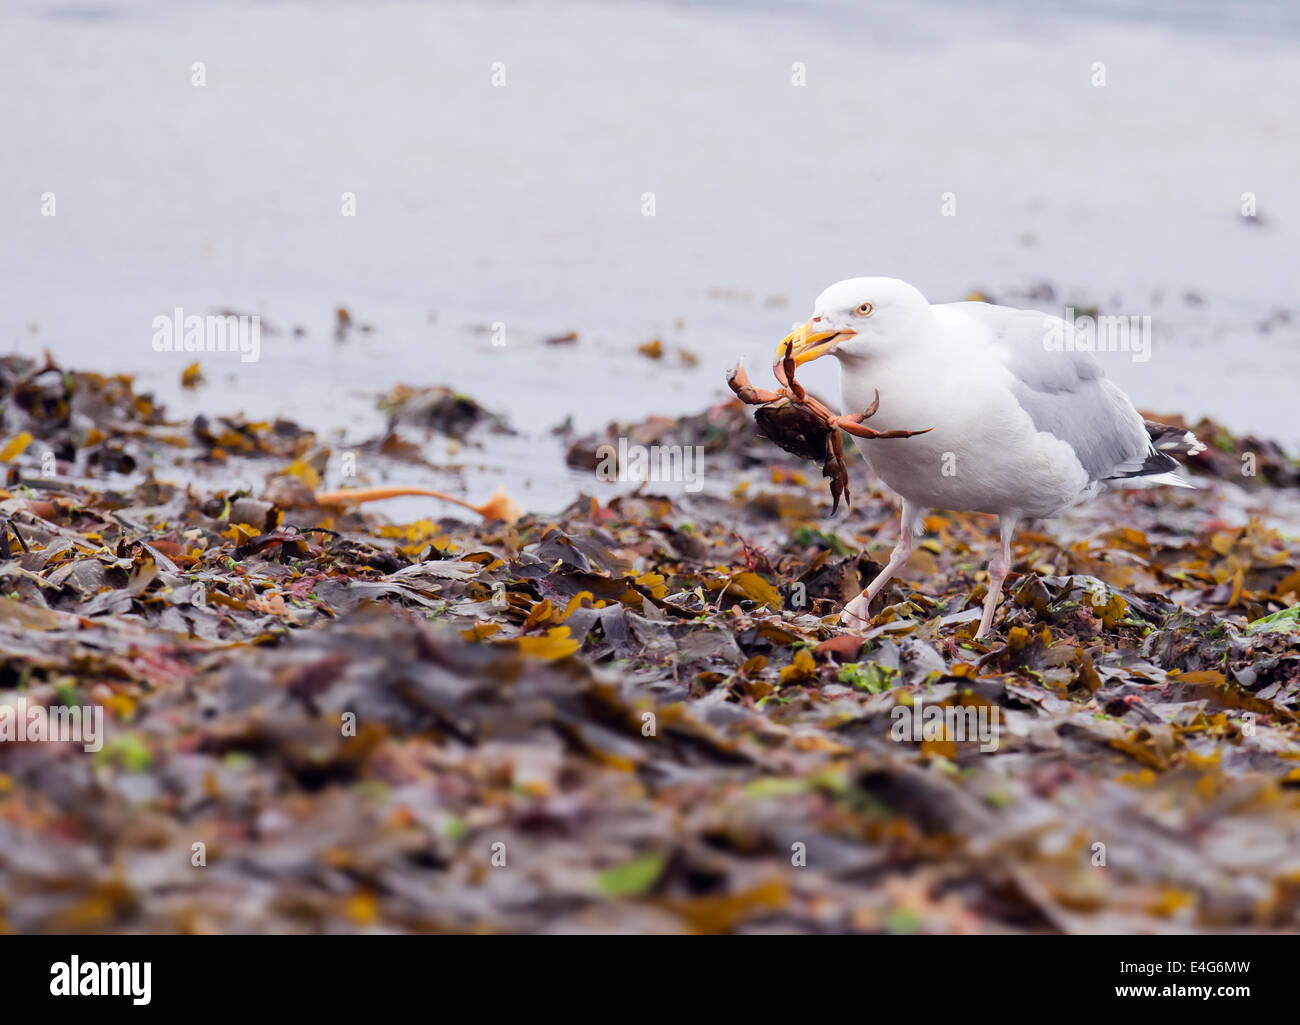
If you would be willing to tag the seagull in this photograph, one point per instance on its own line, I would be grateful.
(1025, 424)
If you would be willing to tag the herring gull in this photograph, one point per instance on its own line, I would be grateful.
(1022, 427)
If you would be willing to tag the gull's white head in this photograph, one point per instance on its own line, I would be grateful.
(857, 318)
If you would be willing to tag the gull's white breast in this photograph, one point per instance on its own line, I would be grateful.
(984, 454)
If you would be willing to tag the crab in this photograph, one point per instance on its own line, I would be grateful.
(805, 427)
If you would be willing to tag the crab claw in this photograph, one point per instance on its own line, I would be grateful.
(783, 370)
(738, 381)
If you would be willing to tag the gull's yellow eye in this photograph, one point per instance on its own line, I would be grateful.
(863, 310)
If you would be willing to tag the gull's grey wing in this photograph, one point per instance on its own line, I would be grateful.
(1067, 394)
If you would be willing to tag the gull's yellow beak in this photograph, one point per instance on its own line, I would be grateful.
(808, 343)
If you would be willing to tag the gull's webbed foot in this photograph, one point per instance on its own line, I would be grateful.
(856, 614)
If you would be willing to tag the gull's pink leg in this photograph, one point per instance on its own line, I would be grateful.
(999, 566)
(855, 614)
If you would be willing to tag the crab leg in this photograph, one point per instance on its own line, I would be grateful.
(860, 430)
(835, 471)
(875, 404)
(852, 422)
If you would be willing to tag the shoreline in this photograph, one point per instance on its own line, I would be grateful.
(633, 695)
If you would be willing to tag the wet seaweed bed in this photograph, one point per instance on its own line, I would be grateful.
(637, 714)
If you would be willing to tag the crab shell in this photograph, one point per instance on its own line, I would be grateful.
(795, 427)
(803, 431)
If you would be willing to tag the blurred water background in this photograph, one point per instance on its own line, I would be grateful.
(522, 205)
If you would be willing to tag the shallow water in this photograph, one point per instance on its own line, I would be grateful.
(522, 205)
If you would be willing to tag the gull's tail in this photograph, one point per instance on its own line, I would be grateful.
(1174, 440)
(1160, 466)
